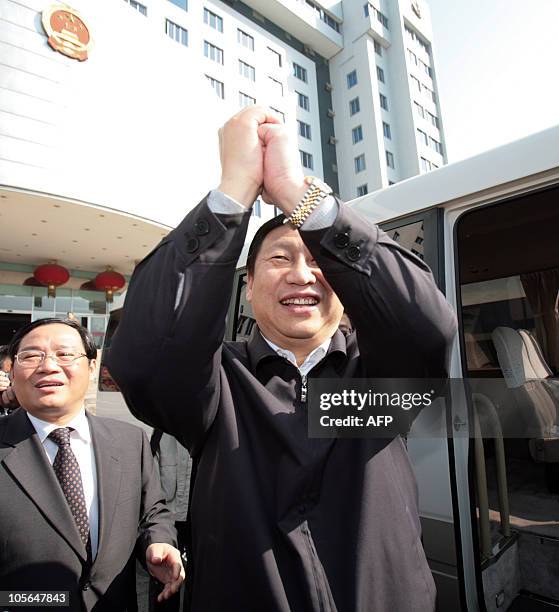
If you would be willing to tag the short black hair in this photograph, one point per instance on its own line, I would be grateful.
(258, 239)
(87, 339)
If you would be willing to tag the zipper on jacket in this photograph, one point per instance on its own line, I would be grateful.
(303, 388)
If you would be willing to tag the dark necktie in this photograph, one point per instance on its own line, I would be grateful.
(67, 471)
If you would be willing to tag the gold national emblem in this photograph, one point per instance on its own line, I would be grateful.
(66, 31)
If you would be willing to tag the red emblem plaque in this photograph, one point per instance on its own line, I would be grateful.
(67, 32)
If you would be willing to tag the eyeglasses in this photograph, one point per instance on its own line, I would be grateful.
(32, 359)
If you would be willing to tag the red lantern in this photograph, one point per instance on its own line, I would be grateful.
(52, 276)
(109, 281)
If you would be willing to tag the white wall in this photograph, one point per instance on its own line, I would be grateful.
(126, 129)
(133, 128)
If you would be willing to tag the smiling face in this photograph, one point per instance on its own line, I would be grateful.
(293, 304)
(50, 391)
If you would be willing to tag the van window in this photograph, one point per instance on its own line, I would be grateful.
(508, 262)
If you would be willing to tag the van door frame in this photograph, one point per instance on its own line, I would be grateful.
(434, 256)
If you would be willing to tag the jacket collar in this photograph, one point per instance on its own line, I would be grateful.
(29, 465)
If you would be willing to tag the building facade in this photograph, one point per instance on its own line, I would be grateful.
(109, 112)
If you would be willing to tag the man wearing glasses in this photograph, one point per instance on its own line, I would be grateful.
(79, 493)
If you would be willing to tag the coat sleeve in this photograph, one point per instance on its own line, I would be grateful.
(156, 520)
(166, 353)
(405, 326)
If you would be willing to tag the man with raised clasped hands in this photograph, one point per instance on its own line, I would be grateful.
(79, 493)
(279, 521)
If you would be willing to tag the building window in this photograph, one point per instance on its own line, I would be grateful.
(380, 74)
(435, 144)
(386, 130)
(432, 118)
(275, 56)
(426, 69)
(244, 39)
(299, 72)
(306, 159)
(429, 93)
(323, 15)
(416, 83)
(256, 208)
(139, 7)
(389, 159)
(275, 86)
(330, 21)
(279, 113)
(419, 109)
(417, 39)
(213, 20)
(245, 100)
(378, 47)
(412, 57)
(368, 8)
(217, 86)
(383, 19)
(383, 101)
(183, 4)
(359, 162)
(212, 52)
(247, 70)
(304, 129)
(362, 190)
(352, 79)
(177, 33)
(303, 101)
(354, 106)
(357, 134)
(423, 137)
(427, 166)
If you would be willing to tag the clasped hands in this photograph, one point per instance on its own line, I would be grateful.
(259, 156)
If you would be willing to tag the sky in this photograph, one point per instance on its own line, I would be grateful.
(497, 66)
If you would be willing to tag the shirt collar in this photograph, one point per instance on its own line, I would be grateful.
(310, 360)
(259, 348)
(79, 424)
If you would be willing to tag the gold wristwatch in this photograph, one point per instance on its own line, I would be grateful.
(316, 192)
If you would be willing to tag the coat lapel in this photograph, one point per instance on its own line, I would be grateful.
(29, 465)
(109, 475)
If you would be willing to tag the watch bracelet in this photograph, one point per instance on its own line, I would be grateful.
(312, 198)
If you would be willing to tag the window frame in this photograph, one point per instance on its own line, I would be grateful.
(208, 15)
(350, 76)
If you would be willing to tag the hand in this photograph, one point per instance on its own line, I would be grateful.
(164, 563)
(8, 397)
(242, 155)
(283, 179)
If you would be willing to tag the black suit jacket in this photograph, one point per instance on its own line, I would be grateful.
(40, 547)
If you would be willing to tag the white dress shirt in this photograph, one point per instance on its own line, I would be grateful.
(82, 447)
(311, 359)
